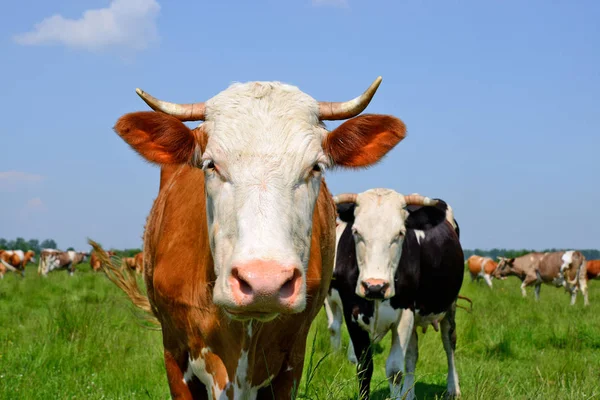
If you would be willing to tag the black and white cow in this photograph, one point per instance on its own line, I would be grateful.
(399, 265)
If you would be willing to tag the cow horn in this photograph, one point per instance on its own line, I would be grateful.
(418, 200)
(345, 198)
(332, 111)
(183, 112)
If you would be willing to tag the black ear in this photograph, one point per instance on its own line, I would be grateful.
(426, 217)
(346, 212)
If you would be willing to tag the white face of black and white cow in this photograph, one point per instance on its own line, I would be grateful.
(379, 231)
(263, 150)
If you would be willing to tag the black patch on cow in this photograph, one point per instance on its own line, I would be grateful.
(346, 211)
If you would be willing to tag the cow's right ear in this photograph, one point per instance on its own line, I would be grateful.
(160, 138)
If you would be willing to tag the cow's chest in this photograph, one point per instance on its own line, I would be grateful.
(384, 317)
(209, 369)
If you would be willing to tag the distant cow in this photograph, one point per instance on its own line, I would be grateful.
(399, 265)
(95, 261)
(135, 263)
(481, 267)
(593, 269)
(62, 260)
(44, 256)
(560, 268)
(15, 261)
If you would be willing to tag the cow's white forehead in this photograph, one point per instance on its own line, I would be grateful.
(263, 118)
(379, 210)
(377, 200)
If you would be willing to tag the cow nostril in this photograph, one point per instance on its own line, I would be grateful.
(244, 285)
(366, 286)
(289, 287)
(384, 288)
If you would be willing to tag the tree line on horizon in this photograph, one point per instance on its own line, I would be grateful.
(37, 246)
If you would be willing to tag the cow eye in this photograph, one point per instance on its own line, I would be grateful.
(208, 165)
(316, 168)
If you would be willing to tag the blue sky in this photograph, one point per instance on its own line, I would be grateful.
(501, 100)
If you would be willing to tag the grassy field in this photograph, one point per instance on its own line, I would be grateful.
(76, 337)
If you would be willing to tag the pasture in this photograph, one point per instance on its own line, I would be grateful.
(76, 337)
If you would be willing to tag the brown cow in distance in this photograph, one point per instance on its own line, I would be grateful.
(239, 244)
(592, 269)
(560, 268)
(62, 260)
(481, 267)
(135, 263)
(95, 260)
(15, 261)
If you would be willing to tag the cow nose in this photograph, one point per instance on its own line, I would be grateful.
(376, 289)
(265, 286)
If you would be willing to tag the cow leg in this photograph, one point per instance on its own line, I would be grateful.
(364, 367)
(526, 282)
(181, 384)
(523, 291)
(583, 286)
(351, 354)
(412, 355)
(573, 291)
(334, 319)
(285, 385)
(473, 277)
(488, 280)
(538, 287)
(401, 340)
(448, 332)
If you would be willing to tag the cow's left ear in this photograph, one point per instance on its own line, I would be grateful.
(363, 140)
(346, 212)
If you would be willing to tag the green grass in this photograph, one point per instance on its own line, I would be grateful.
(76, 337)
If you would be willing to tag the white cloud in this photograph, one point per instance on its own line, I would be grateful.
(332, 3)
(129, 24)
(10, 180)
(35, 204)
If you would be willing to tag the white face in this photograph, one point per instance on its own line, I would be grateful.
(379, 231)
(262, 163)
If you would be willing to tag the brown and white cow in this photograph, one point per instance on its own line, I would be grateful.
(15, 261)
(95, 260)
(481, 267)
(135, 263)
(592, 269)
(239, 244)
(560, 268)
(44, 257)
(62, 260)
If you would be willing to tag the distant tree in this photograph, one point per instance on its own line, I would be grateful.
(70, 249)
(20, 244)
(33, 244)
(3, 244)
(48, 244)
